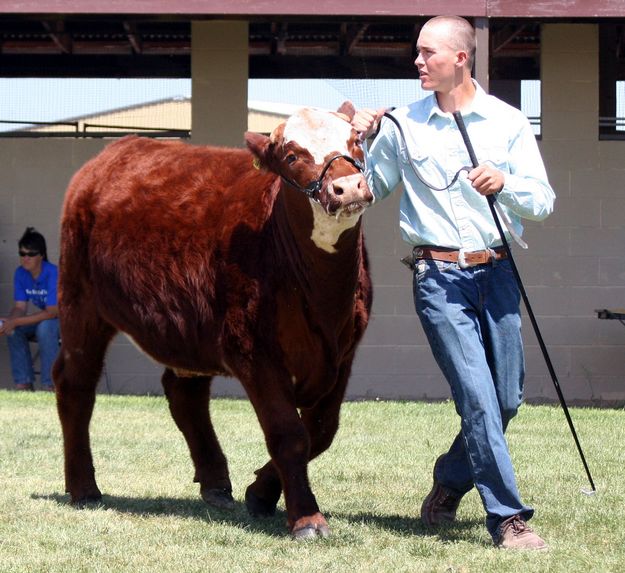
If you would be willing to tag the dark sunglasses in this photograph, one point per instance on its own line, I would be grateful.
(28, 253)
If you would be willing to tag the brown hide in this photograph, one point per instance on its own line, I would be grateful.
(212, 266)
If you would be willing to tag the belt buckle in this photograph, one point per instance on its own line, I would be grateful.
(462, 261)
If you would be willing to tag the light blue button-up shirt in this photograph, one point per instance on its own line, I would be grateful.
(458, 217)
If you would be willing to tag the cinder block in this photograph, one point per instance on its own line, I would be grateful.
(563, 125)
(581, 153)
(597, 242)
(612, 210)
(548, 241)
(611, 156)
(599, 361)
(536, 365)
(389, 271)
(391, 300)
(577, 211)
(560, 179)
(393, 331)
(562, 331)
(612, 272)
(576, 99)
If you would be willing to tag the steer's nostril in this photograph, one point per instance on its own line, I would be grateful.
(338, 191)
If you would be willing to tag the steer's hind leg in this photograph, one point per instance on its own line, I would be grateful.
(261, 496)
(189, 400)
(76, 373)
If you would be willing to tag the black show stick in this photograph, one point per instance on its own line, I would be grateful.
(491, 203)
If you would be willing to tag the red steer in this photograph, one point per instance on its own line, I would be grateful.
(247, 263)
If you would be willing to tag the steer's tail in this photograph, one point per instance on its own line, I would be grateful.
(84, 334)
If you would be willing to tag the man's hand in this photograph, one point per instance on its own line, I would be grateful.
(366, 121)
(486, 180)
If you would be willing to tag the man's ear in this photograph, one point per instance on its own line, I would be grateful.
(461, 58)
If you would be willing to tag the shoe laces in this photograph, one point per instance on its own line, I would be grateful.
(447, 498)
(517, 525)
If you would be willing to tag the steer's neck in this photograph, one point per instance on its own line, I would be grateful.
(328, 258)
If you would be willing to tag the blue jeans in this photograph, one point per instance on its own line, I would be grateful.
(472, 321)
(46, 333)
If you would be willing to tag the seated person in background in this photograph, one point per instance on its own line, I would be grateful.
(35, 280)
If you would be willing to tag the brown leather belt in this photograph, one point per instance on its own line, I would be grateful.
(463, 258)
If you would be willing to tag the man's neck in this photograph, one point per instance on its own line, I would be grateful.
(459, 98)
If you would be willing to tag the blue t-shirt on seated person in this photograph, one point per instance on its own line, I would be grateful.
(41, 291)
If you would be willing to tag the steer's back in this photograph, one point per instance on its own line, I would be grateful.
(147, 227)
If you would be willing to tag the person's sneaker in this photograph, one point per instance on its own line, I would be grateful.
(440, 505)
(25, 386)
(514, 533)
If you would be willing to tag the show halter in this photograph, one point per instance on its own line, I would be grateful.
(313, 189)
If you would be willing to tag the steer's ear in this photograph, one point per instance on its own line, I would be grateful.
(347, 109)
(259, 145)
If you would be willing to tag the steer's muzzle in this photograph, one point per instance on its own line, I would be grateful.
(348, 195)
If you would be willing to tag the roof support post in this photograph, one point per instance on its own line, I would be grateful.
(219, 73)
(482, 52)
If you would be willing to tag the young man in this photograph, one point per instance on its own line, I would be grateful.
(465, 292)
(35, 280)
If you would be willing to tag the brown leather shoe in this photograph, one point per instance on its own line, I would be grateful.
(514, 533)
(440, 505)
(26, 386)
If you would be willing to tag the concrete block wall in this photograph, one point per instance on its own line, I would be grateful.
(575, 263)
(581, 257)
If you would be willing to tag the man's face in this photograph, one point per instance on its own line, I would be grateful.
(437, 61)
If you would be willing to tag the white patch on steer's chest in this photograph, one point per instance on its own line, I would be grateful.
(327, 229)
(318, 132)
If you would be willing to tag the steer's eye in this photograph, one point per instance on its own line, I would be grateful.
(291, 158)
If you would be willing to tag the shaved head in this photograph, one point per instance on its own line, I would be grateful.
(460, 34)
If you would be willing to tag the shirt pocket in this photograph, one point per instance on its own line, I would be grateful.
(412, 152)
(497, 157)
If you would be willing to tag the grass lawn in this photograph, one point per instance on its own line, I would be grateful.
(370, 485)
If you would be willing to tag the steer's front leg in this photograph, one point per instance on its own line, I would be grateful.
(289, 446)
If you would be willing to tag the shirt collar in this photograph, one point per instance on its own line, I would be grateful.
(479, 105)
(43, 275)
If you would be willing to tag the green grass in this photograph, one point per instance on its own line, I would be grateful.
(370, 485)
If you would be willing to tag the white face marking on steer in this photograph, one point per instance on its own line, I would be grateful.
(328, 229)
(319, 132)
(322, 133)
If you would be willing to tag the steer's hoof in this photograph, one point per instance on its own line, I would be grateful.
(258, 507)
(218, 497)
(310, 532)
(310, 528)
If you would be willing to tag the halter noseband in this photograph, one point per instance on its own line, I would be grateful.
(314, 187)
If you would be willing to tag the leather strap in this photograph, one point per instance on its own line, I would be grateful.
(463, 258)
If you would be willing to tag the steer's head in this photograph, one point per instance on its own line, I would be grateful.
(318, 153)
